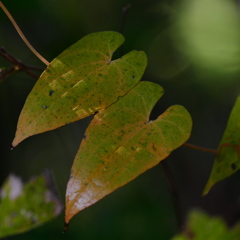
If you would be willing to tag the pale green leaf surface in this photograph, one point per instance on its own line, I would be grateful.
(26, 206)
(122, 143)
(79, 82)
(200, 226)
(228, 160)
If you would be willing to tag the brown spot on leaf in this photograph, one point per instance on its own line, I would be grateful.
(154, 148)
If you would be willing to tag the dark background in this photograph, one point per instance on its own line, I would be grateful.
(143, 209)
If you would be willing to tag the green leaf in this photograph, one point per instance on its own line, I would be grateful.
(200, 226)
(228, 160)
(122, 143)
(24, 207)
(79, 82)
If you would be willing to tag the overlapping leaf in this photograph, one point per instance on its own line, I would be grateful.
(79, 82)
(121, 143)
(24, 207)
(228, 160)
(200, 226)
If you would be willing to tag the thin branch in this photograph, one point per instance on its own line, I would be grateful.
(14, 60)
(174, 192)
(22, 35)
(18, 65)
(5, 73)
(203, 149)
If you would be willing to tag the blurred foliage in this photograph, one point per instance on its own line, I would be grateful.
(25, 206)
(143, 208)
(201, 226)
(208, 31)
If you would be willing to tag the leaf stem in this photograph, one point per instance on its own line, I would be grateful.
(203, 149)
(22, 35)
(174, 192)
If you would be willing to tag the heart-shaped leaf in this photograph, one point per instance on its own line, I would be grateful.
(228, 160)
(122, 143)
(79, 82)
(26, 206)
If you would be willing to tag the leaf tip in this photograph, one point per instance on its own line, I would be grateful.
(208, 187)
(14, 144)
(18, 138)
